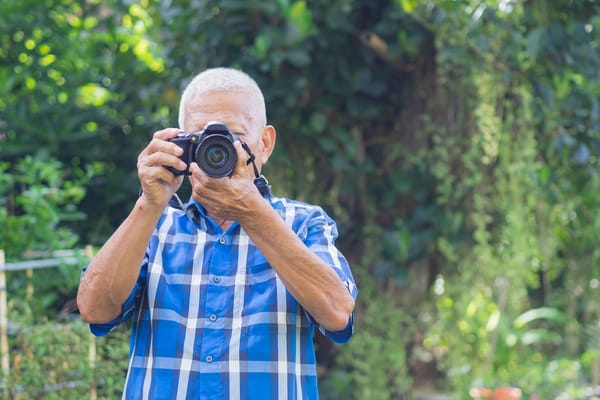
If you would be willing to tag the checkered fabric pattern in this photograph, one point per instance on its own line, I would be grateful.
(211, 318)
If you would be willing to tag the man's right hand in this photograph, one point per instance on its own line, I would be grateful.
(158, 183)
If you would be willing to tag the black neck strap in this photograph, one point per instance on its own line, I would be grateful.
(260, 181)
(251, 159)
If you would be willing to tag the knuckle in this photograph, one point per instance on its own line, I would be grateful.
(154, 143)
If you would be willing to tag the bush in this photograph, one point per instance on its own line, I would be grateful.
(52, 361)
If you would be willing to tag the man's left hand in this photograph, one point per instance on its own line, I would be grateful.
(228, 198)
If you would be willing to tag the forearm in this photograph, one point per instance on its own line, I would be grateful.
(309, 280)
(112, 273)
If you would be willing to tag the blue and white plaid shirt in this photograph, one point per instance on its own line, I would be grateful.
(211, 318)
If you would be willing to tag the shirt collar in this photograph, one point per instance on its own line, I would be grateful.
(197, 213)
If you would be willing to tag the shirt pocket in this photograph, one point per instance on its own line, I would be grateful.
(258, 269)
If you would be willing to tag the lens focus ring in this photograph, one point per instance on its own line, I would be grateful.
(216, 155)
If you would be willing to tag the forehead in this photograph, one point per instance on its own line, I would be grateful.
(234, 109)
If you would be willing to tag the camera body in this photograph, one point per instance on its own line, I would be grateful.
(211, 148)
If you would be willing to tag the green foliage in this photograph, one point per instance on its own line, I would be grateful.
(38, 205)
(51, 360)
(37, 197)
(376, 357)
(36, 371)
(520, 249)
(71, 76)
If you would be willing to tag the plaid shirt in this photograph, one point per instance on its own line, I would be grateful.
(211, 318)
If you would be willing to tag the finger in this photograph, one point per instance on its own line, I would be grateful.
(198, 180)
(166, 160)
(161, 159)
(197, 173)
(204, 184)
(167, 133)
(150, 174)
(160, 145)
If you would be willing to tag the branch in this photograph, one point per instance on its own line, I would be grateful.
(380, 48)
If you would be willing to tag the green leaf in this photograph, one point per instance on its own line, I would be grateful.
(540, 336)
(408, 5)
(318, 122)
(544, 174)
(536, 40)
(542, 313)
(448, 5)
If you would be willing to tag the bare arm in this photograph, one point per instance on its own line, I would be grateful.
(112, 273)
(314, 284)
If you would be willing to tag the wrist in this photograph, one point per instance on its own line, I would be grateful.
(144, 205)
(257, 209)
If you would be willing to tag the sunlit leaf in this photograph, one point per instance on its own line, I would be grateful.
(542, 313)
(92, 94)
(540, 336)
(408, 5)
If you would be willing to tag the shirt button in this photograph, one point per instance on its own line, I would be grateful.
(222, 241)
(208, 359)
(216, 279)
(213, 318)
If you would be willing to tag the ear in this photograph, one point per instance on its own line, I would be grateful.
(268, 137)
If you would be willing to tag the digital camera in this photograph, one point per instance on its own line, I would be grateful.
(212, 149)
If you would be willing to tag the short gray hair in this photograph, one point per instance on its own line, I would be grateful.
(227, 80)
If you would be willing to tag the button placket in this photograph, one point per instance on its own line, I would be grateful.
(213, 345)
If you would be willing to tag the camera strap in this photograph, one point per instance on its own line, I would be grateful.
(251, 158)
(261, 183)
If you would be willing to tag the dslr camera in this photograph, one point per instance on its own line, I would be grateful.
(212, 149)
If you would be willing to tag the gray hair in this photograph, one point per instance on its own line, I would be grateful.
(227, 80)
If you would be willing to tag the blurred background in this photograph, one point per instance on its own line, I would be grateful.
(454, 142)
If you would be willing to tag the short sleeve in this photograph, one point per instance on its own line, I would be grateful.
(128, 308)
(319, 236)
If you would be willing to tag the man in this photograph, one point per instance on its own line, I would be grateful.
(226, 292)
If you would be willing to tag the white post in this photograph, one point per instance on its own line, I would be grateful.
(5, 358)
(89, 252)
(29, 289)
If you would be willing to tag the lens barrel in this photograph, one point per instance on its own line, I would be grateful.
(216, 155)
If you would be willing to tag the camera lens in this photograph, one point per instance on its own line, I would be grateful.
(216, 156)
